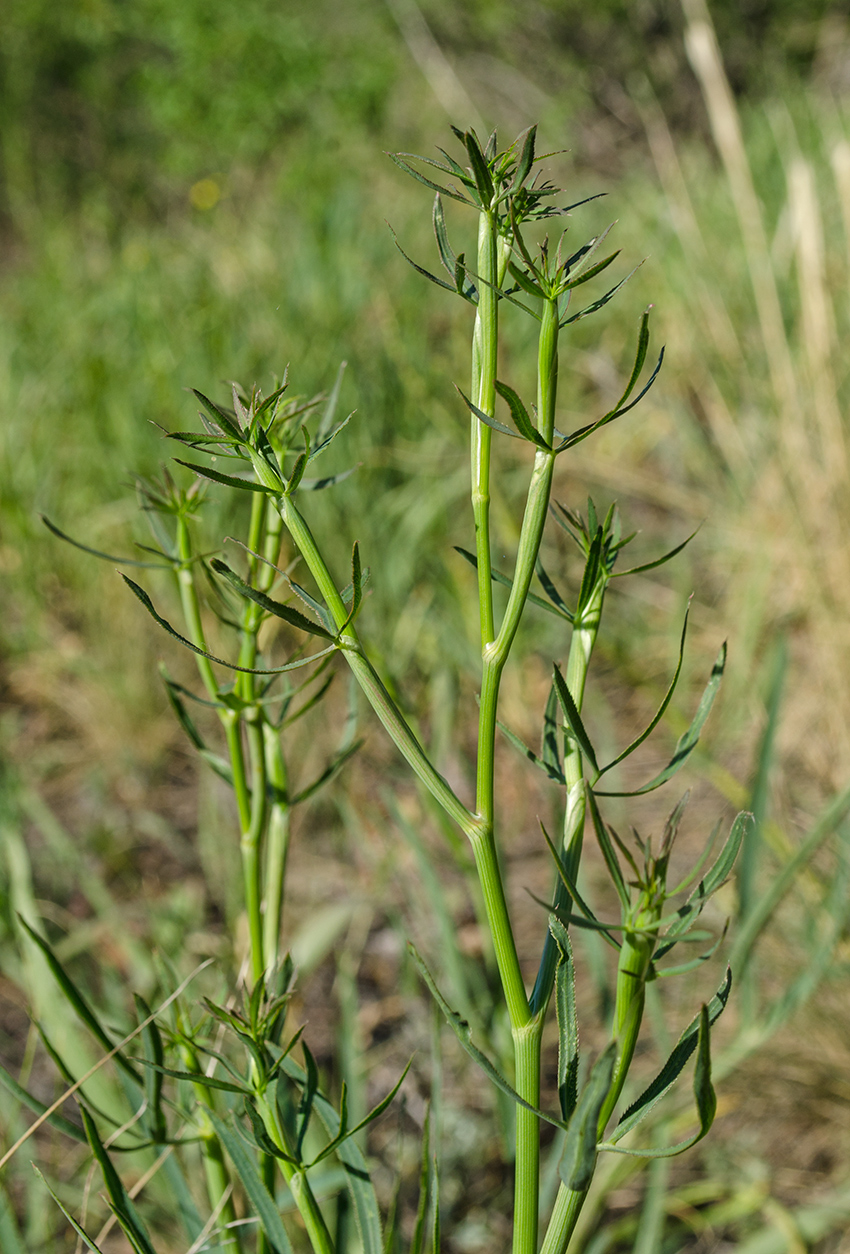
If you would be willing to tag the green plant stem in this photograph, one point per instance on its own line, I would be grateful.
(216, 1173)
(277, 845)
(368, 678)
(250, 844)
(485, 339)
(296, 1178)
(565, 1215)
(191, 606)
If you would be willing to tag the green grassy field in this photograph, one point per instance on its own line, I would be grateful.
(196, 235)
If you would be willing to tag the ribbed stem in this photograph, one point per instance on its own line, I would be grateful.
(277, 846)
(485, 339)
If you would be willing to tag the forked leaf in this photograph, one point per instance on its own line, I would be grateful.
(600, 301)
(519, 413)
(258, 1195)
(659, 714)
(221, 418)
(578, 1160)
(247, 670)
(361, 1190)
(81, 1233)
(463, 1032)
(499, 577)
(708, 885)
(345, 1132)
(704, 1095)
(688, 740)
(565, 1006)
(573, 718)
(294, 617)
(106, 557)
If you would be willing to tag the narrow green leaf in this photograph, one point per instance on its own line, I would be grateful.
(398, 158)
(154, 1058)
(704, 1097)
(426, 274)
(608, 851)
(447, 255)
(323, 431)
(308, 1093)
(192, 1077)
(592, 272)
(708, 885)
(554, 772)
(578, 1159)
(32, 1103)
(485, 418)
(525, 281)
(519, 413)
(550, 748)
(107, 557)
(229, 481)
(258, 1195)
(327, 774)
(247, 670)
(81, 1233)
(220, 416)
(565, 1006)
(552, 592)
(659, 714)
(499, 577)
(327, 481)
(675, 1064)
(375, 1113)
(462, 1031)
(526, 157)
(294, 617)
(602, 300)
(688, 740)
(573, 718)
(79, 1004)
(572, 888)
(124, 1210)
(659, 561)
(480, 172)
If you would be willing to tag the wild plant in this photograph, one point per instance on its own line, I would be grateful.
(238, 1091)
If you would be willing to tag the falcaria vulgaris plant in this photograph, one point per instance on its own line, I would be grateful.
(256, 1121)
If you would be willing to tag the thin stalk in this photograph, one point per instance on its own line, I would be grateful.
(565, 1215)
(526, 1028)
(250, 845)
(277, 845)
(296, 1178)
(191, 606)
(216, 1174)
(368, 678)
(485, 339)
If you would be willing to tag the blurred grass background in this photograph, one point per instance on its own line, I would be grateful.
(198, 192)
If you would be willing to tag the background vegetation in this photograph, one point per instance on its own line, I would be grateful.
(197, 192)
